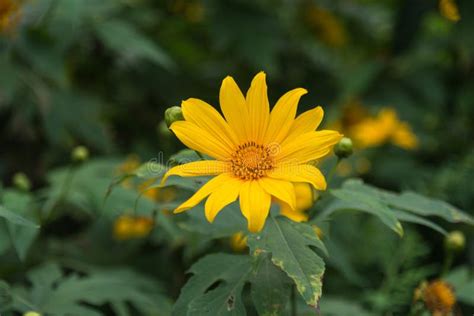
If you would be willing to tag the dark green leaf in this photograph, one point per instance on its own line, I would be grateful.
(289, 244)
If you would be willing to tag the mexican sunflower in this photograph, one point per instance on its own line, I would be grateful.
(258, 154)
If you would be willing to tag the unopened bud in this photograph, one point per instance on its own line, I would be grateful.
(455, 241)
(343, 149)
(173, 114)
(163, 130)
(31, 313)
(21, 181)
(80, 154)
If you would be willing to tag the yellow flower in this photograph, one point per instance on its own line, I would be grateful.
(238, 242)
(258, 154)
(439, 298)
(386, 127)
(328, 27)
(304, 200)
(449, 9)
(157, 194)
(10, 14)
(130, 227)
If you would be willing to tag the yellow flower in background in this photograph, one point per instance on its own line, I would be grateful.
(327, 26)
(192, 10)
(304, 200)
(385, 127)
(438, 297)
(157, 194)
(10, 15)
(259, 155)
(131, 227)
(238, 242)
(449, 9)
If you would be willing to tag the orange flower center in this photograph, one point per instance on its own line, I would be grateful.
(251, 161)
(439, 297)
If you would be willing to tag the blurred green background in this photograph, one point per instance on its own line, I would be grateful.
(101, 73)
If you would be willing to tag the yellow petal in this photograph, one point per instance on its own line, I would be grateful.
(300, 173)
(197, 168)
(255, 205)
(203, 192)
(258, 107)
(294, 215)
(201, 140)
(206, 117)
(305, 122)
(307, 147)
(234, 108)
(283, 115)
(222, 197)
(282, 190)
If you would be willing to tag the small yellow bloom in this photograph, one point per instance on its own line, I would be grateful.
(439, 298)
(10, 15)
(238, 242)
(318, 231)
(386, 127)
(129, 165)
(31, 313)
(449, 9)
(328, 27)
(258, 154)
(130, 227)
(304, 200)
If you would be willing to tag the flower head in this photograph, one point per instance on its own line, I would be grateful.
(258, 154)
(449, 9)
(130, 227)
(10, 14)
(439, 298)
(385, 127)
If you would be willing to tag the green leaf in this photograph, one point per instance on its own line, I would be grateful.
(270, 288)
(21, 236)
(391, 208)
(332, 306)
(56, 294)
(421, 205)
(16, 219)
(230, 272)
(290, 246)
(463, 282)
(368, 203)
(127, 41)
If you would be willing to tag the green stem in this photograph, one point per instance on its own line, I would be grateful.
(293, 301)
(199, 154)
(63, 193)
(448, 262)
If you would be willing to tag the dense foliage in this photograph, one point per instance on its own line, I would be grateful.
(86, 228)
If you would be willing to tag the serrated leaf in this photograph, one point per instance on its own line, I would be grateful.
(56, 294)
(270, 289)
(291, 252)
(369, 203)
(231, 271)
(421, 205)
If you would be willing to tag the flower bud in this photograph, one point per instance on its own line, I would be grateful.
(163, 130)
(173, 114)
(455, 241)
(343, 149)
(80, 154)
(21, 181)
(31, 313)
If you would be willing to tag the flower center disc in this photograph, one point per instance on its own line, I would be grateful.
(251, 161)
